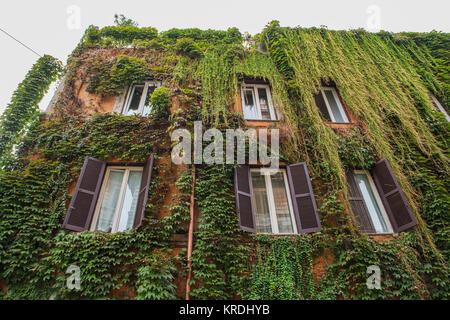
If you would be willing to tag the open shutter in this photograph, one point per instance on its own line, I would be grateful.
(143, 192)
(244, 198)
(359, 208)
(304, 203)
(82, 205)
(394, 200)
(320, 102)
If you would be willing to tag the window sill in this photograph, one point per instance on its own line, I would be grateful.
(260, 123)
(341, 125)
(276, 234)
(381, 234)
(388, 236)
(260, 120)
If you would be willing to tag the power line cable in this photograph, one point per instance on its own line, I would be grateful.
(23, 44)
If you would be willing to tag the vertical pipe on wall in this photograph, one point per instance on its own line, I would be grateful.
(191, 234)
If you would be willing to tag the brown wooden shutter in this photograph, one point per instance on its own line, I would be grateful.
(143, 192)
(303, 201)
(82, 205)
(394, 200)
(244, 198)
(320, 102)
(359, 208)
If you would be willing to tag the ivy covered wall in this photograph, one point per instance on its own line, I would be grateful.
(384, 79)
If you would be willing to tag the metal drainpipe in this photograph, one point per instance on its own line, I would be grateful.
(191, 234)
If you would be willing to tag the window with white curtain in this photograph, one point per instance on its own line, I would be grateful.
(334, 106)
(273, 207)
(138, 98)
(373, 202)
(116, 206)
(257, 102)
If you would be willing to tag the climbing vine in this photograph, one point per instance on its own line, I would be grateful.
(112, 77)
(23, 107)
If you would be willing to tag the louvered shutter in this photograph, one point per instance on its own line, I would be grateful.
(359, 208)
(82, 205)
(143, 192)
(394, 200)
(320, 102)
(244, 198)
(304, 203)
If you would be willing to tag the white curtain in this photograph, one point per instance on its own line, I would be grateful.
(130, 201)
(281, 203)
(110, 200)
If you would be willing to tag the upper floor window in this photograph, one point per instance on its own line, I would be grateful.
(138, 98)
(330, 105)
(257, 102)
(440, 108)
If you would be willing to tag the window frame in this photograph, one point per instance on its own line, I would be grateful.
(130, 93)
(439, 107)
(271, 201)
(119, 206)
(380, 204)
(255, 87)
(338, 102)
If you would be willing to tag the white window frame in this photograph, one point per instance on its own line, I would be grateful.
(267, 172)
(119, 206)
(255, 87)
(130, 93)
(339, 104)
(440, 107)
(390, 230)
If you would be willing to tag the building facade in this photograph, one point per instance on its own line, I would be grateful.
(361, 182)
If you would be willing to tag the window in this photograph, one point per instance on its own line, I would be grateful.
(273, 208)
(439, 107)
(371, 213)
(109, 198)
(279, 201)
(330, 105)
(257, 102)
(138, 98)
(117, 203)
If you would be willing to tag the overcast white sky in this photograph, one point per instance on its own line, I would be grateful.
(43, 25)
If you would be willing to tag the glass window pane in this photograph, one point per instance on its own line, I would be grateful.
(130, 201)
(371, 203)
(147, 107)
(133, 106)
(109, 201)
(281, 203)
(440, 108)
(264, 104)
(338, 117)
(250, 111)
(263, 224)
